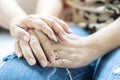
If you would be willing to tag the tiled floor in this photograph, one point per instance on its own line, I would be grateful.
(6, 43)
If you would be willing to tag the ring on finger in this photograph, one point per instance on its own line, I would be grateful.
(56, 55)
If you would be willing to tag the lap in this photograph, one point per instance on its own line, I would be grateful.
(109, 66)
(18, 69)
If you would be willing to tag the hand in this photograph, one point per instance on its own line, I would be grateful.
(39, 48)
(18, 29)
(75, 52)
(20, 25)
(69, 55)
(48, 25)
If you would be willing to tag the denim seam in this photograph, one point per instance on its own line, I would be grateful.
(52, 73)
(70, 76)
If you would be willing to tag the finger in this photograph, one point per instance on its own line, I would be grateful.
(62, 63)
(19, 33)
(63, 24)
(27, 53)
(59, 54)
(55, 26)
(71, 36)
(17, 49)
(45, 42)
(42, 26)
(37, 49)
(56, 47)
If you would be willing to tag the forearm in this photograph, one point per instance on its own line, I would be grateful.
(108, 38)
(49, 7)
(9, 9)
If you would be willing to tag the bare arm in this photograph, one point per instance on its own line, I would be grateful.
(40, 23)
(108, 38)
(49, 7)
(87, 49)
(9, 9)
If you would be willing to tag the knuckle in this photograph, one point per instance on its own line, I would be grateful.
(33, 42)
(52, 22)
(61, 31)
(62, 63)
(42, 24)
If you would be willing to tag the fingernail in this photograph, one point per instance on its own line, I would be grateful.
(31, 61)
(52, 59)
(43, 63)
(26, 38)
(55, 39)
(19, 55)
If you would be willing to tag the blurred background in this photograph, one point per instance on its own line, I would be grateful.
(6, 40)
(6, 43)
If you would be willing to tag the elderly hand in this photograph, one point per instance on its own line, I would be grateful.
(38, 48)
(51, 26)
(73, 52)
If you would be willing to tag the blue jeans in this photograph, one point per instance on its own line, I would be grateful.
(106, 68)
(18, 69)
(109, 66)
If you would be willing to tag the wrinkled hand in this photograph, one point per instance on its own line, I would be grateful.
(38, 48)
(51, 26)
(73, 52)
(25, 46)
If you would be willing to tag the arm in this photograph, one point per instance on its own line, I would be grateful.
(107, 38)
(49, 7)
(9, 9)
(41, 23)
(87, 49)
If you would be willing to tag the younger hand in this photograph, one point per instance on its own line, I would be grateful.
(74, 52)
(51, 26)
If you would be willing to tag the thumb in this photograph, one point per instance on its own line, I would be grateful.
(19, 33)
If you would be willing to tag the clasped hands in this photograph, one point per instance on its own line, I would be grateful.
(48, 40)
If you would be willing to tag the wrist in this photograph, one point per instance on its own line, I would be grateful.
(100, 44)
(93, 47)
(17, 19)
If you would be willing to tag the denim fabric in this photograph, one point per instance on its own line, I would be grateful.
(18, 69)
(109, 66)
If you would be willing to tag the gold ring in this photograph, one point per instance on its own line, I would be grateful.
(56, 55)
